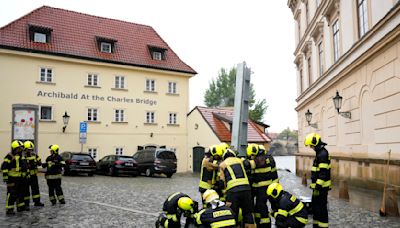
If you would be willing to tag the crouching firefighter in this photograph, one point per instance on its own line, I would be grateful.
(174, 207)
(287, 210)
(33, 160)
(54, 164)
(216, 213)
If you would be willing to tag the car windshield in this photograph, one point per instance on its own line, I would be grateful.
(166, 155)
(82, 157)
(125, 158)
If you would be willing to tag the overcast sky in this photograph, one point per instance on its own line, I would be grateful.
(209, 35)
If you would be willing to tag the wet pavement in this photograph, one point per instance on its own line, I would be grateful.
(103, 201)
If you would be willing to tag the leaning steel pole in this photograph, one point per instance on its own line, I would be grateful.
(241, 109)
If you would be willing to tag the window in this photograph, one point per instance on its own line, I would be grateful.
(46, 74)
(119, 82)
(301, 80)
(150, 117)
(336, 41)
(119, 115)
(309, 71)
(171, 87)
(92, 80)
(39, 37)
(92, 152)
(172, 118)
(362, 11)
(150, 85)
(307, 13)
(105, 47)
(46, 112)
(39, 34)
(321, 58)
(92, 114)
(119, 151)
(157, 55)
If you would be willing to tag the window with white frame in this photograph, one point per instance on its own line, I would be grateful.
(105, 47)
(172, 118)
(157, 55)
(336, 40)
(119, 82)
(321, 58)
(150, 117)
(309, 71)
(46, 112)
(119, 115)
(362, 10)
(119, 151)
(92, 114)
(92, 80)
(46, 74)
(92, 152)
(171, 87)
(150, 85)
(40, 37)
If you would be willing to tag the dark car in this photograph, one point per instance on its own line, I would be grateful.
(114, 165)
(76, 162)
(160, 161)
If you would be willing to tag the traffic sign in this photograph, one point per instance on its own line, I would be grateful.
(83, 127)
(82, 132)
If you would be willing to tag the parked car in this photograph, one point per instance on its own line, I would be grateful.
(76, 162)
(114, 165)
(151, 161)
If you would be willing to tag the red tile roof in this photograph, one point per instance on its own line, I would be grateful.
(215, 118)
(74, 35)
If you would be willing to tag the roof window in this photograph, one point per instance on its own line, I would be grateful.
(39, 34)
(157, 53)
(106, 45)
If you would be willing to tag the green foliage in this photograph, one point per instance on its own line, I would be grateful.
(288, 134)
(221, 93)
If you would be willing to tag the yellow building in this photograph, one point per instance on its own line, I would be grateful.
(121, 78)
(350, 50)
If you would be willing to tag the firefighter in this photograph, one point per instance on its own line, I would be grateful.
(176, 205)
(260, 180)
(320, 180)
(208, 172)
(12, 168)
(216, 213)
(33, 161)
(238, 190)
(272, 164)
(216, 152)
(54, 164)
(25, 176)
(287, 210)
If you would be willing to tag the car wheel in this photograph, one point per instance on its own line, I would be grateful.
(169, 175)
(149, 172)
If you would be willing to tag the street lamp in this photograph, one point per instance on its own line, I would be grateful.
(337, 101)
(308, 119)
(65, 120)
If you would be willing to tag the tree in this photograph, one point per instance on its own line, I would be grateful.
(287, 134)
(221, 93)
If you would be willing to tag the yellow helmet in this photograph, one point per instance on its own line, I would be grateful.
(224, 146)
(261, 149)
(28, 145)
(228, 153)
(216, 150)
(274, 190)
(210, 195)
(252, 150)
(185, 203)
(312, 139)
(54, 148)
(15, 144)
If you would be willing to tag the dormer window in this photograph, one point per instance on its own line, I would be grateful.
(39, 34)
(157, 53)
(106, 45)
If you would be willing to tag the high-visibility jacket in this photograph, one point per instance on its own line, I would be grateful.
(321, 169)
(13, 166)
(288, 210)
(54, 164)
(261, 171)
(207, 174)
(234, 174)
(274, 171)
(33, 161)
(218, 216)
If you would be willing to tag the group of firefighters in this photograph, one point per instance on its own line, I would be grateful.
(235, 191)
(20, 169)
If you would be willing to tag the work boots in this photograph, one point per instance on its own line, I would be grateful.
(62, 201)
(38, 204)
(10, 212)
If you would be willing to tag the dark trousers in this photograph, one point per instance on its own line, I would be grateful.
(55, 189)
(15, 194)
(244, 201)
(34, 187)
(261, 207)
(319, 205)
(25, 189)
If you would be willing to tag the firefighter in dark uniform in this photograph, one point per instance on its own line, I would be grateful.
(216, 213)
(320, 180)
(174, 206)
(261, 179)
(208, 172)
(216, 152)
(287, 210)
(272, 164)
(54, 164)
(238, 190)
(25, 176)
(12, 169)
(33, 161)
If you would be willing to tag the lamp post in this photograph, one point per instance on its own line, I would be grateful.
(65, 120)
(308, 119)
(337, 101)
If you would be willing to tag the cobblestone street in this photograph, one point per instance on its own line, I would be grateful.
(103, 201)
